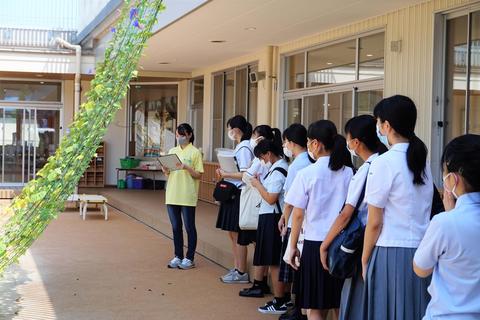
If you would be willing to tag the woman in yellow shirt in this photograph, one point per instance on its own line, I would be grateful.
(182, 195)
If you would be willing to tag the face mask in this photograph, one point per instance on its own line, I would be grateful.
(287, 152)
(231, 135)
(383, 139)
(266, 165)
(352, 152)
(253, 143)
(182, 140)
(445, 186)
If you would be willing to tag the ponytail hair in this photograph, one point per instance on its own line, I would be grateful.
(265, 146)
(242, 124)
(184, 129)
(401, 112)
(269, 133)
(326, 132)
(364, 128)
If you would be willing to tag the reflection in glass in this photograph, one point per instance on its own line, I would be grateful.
(371, 56)
(229, 109)
(12, 145)
(474, 112)
(339, 108)
(295, 69)
(30, 91)
(241, 92)
(332, 64)
(197, 111)
(252, 99)
(153, 114)
(294, 111)
(367, 100)
(314, 109)
(218, 126)
(456, 77)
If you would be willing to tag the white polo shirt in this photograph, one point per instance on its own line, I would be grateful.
(407, 206)
(321, 192)
(244, 155)
(301, 161)
(356, 187)
(274, 183)
(451, 247)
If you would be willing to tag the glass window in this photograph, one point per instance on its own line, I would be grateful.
(229, 105)
(371, 56)
(196, 110)
(241, 91)
(30, 91)
(153, 114)
(474, 112)
(295, 71)
(314, 109)
(294, 111)
(339, 108)
(332, 64)
(456, 73)
(367, 100)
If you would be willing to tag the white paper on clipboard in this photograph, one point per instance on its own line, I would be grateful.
(170, 161)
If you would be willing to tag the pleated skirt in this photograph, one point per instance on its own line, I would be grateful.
(352, 299)
(269, 242)
(228, 214)
(392, 289)
(318, 289)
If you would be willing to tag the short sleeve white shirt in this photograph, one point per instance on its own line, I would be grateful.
(407, 206)
(356, 187)
(301, 161)
(321, 192)
(451, 247)
(256, 169)
(244, 156)
(274, 183)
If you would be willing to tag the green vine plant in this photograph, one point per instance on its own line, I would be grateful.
(43, 198)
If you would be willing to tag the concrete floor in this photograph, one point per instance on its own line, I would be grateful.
(115, 269)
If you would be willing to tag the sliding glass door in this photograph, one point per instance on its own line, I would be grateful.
(28, 136)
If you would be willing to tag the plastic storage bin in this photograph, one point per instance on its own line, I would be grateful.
(121, 184)
(138, 183)
(129, 163)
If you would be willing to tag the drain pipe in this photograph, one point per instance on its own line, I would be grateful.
(78, 64)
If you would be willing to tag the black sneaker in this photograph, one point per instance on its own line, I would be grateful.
(292, 314)
(273, 307)
(254, 291)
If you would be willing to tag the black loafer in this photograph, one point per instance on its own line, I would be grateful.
(253, 292)
(293, 314)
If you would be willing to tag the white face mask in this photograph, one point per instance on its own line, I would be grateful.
(182, 140)
(254, 142)
(231, 135)
(352, 152)
(454, 187)
(266, 165)
(287, 152)
(383, 139)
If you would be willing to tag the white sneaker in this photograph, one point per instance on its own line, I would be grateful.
(174, 263)
(228, 275)
(186, 264)
(236, 277)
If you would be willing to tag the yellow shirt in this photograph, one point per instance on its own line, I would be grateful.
(182, 188)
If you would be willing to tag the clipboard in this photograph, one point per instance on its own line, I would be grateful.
(170, 161)
(228, 163)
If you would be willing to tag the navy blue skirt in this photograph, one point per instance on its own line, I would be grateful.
(269, 242)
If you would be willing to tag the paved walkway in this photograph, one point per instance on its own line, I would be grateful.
(114, 269)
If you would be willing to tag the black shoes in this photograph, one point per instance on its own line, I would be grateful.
(258, 290)
(293, 314)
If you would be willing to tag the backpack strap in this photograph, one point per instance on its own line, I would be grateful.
(362, 194)
(284, 172)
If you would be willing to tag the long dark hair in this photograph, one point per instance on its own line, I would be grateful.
(326, 132)
(272, 134)
(184, 129)
(242, 124)
(462, 155)
(267, 145)
(401, 112)
(364, 128)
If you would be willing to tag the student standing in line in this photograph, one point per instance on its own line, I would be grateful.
(294, 146)
(450, 248)
(362, 142)
(268, 242)
(259, 171)
(182, 195)
(240, 132)
(399, 195)
(320, 189)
